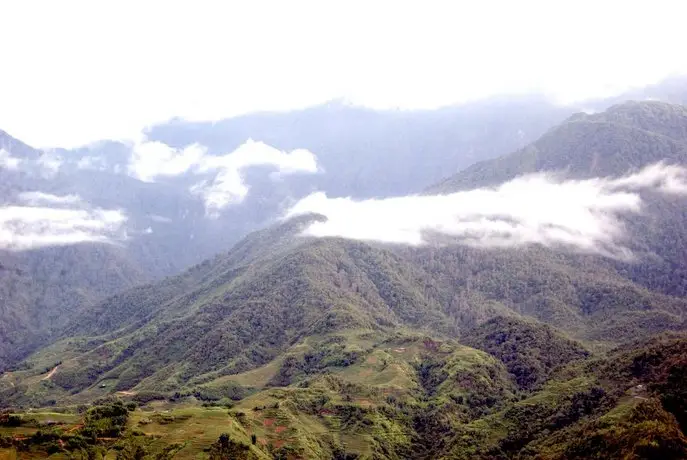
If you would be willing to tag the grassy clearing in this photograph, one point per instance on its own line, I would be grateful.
(194, 427)
(256, 378)
(274, 427)
(381, 369)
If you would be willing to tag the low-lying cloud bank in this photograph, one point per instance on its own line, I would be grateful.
(41, 224)
(41, 198)
(151, 160)
(537, 208)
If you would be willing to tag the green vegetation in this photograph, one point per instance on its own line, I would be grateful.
(456, 402)
(226, 448)
(42, 290)
(530, 351)
(227, 318)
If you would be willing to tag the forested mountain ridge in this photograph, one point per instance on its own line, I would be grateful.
(530, 350)
(623, 138)
(42, 290)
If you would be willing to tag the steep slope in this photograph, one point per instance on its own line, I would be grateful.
(166, 224)
(243, 316)
(623, 139)
(585, 295)
(625, 405)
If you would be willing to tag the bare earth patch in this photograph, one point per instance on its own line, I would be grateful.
(51, 373)
(74, 428)
(364, 402)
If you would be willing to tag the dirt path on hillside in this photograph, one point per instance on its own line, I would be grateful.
(126, 393)
(51, 373)
(74, 428)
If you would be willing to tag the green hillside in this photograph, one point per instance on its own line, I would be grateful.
(529, 350)
(361, 395)
(41, 290)
(234, 314)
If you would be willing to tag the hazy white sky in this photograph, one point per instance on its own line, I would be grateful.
(77, 71)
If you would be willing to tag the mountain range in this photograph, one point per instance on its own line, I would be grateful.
(164, 226)
(508, 336)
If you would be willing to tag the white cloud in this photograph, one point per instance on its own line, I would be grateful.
(49, 163)
(151, 160)
(23, 227)
(208, 60)
(7, 161)
(228, 186)
(665, 178)
(536, 208)
(40, 198)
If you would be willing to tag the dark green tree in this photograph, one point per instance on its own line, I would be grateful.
(227, 449)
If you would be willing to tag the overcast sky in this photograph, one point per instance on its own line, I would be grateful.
(77, 71)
